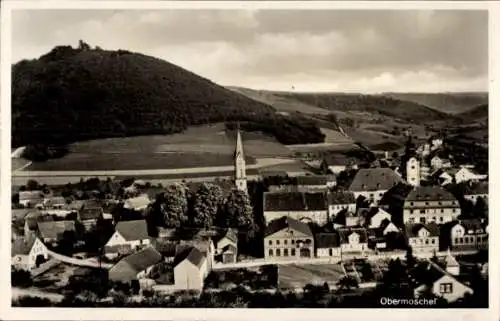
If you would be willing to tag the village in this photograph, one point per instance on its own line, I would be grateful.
(349, 229)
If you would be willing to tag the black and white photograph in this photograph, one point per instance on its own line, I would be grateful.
(248, 157)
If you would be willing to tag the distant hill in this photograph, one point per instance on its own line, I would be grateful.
(73, 94)
(478, 113)
(452, 103)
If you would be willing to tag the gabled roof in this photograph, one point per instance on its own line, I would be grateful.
(397, 193)
(141, 260)
(137, 202)
(294, 201)
(31, 195)
(347, 231)
(90, 213)
(231, 235)
(413, 229)
(314, 180)
(373, 179)
(433, 273)
(286, 222)
(229, 249)
(191, 254)
(133, 230)
(450, 260)
(55, 229)
(470, 225)
(341, 197)
(430, 193)
(22, 245)
(327, 240)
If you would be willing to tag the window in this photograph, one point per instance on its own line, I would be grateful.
(411, 203)
(446, 288)
(270, 242)
(440, 203)
(411, 211)
(441, 219)
(466, 240)
(453, 210)
(270, 252)
(426, 203)
(456, 240)
(286, 242)
(293, 241)
(285, 252)
(293, 252)
(278, 242)
(330, 251)
(371, 195)
(422, 211)
(434, 218)
(413, 167)
(460, 240)
(433, 241)
(442, 211)
(278, 252)
(422, 220)
(427, 241)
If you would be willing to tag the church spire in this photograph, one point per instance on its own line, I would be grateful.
(239, 163)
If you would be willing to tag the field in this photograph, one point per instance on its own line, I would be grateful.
(297, 276)
(203, 146)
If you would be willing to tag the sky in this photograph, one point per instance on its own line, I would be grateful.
(362, 51)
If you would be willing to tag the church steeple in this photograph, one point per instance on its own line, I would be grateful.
(240, 164)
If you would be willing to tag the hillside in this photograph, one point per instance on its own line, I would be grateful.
(73, 94)
(478, 113)
(452, 103)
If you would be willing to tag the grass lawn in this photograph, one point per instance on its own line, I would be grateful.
(297, 276)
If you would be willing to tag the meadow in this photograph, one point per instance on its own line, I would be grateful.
(297, 276)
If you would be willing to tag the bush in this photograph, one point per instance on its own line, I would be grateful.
(31, 301)
(21, 278)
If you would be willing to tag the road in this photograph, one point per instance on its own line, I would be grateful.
(371, 257)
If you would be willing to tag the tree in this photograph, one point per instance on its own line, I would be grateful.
(32, 185)
(480, 208)
(237, 211)
(20, 278)
(347, 283)
(175, 205)
(207, 202)
(410, 259)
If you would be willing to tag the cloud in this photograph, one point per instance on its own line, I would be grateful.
(362, 50)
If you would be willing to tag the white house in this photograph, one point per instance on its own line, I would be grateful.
(287, 238)
(430, 204)
(339, 201)
(466, 174)
(190, 270)
(373, 217)
(128, 236)
(353, 240)
(468, 235)
(442, 284)
(28, 253)
(372, 183)
(423, 238)
(474, 191)
(337, 163)
(226, 246)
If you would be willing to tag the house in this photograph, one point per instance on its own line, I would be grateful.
(468, 235)
(287, 238)
(474, 191)
(327, 245)
(138, 203)
(372, 183)
(203, 243)
(128, 236)
(445, 176)
(423, 238)
(190, 270)
(30, 198)
(226, 246)
(54, 231)
(465, 174)
(436, 142)
(441, 283)
(353, 240)
(373, 217)
(340, 200)
(54, 202)
(335, 163)
(430, 204)
(135, 266)
(438, 162)
(303, 206)
(346, 218)
(315, 182)
(28, 253)
(89, 214)
(31, 222)
(386, 227)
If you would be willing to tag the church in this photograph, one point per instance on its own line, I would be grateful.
(240, 177)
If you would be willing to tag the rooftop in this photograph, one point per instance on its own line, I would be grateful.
(284, 223)
(374, 179)
(430, 193)
(132, 230)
